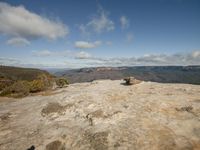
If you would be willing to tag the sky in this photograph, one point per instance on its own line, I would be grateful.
(91, 33)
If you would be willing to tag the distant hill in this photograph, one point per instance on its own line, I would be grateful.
(17, 73)
(10, 75)
(163, 74)
(55, 70)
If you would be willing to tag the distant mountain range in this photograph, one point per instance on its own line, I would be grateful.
(163, 74)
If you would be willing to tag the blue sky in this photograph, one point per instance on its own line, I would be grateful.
(77, 33)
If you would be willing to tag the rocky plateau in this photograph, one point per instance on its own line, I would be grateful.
(104, 115)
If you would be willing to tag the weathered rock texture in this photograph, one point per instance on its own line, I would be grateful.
(104, 115)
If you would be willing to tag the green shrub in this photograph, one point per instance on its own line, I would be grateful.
(18, 89)
(61, 82)
(21, 88)
(5, 83)
(43, 82)
(47, 80)
(37, 86)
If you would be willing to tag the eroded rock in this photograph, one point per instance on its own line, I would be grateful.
(186, 108)
(54, 108)
(55, 145)
(98, 140)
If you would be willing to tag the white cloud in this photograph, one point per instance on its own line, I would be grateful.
(18, 41)
(196, 54)
(17, 21)
(124, 22)
(98, 24)
(82, 55)
(84, 44)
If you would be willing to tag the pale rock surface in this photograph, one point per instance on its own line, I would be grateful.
(104, 115)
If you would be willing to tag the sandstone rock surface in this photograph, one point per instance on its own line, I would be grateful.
(104, 115)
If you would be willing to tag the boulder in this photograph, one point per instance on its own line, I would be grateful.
(131, 81)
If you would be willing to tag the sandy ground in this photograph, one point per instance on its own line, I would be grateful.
(104, 115)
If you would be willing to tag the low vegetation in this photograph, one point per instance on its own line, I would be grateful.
(5, 83)
(61, 82)
(17, 73)
(42, 83)
(37, 86)
(18, 89)
(20, 82)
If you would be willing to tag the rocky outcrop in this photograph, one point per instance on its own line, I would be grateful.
(131, 81)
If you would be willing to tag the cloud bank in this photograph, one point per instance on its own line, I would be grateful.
(18, 22)
(65, 53)
(85, 59)
(192, 58)
(82, 55)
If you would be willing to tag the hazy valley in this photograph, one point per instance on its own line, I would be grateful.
(163, 74)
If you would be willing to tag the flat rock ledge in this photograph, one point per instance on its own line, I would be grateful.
(104, 115)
